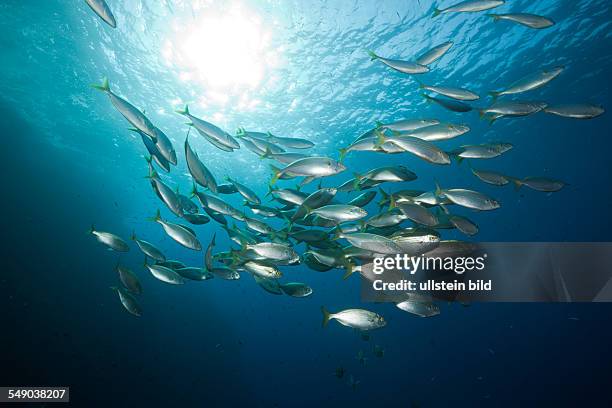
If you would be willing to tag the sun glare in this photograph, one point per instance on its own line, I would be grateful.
(228, 51)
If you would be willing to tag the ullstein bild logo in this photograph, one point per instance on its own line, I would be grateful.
(413, 264)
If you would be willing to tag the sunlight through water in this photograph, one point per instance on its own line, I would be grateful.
(226, 53)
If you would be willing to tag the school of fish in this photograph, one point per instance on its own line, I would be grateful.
(319, 230)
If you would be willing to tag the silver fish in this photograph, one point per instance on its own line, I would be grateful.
(434, 54)
(164, 145)
(172, 264)
(406, 67)
(363, 145)
(225, 273)
(196, 219)
(418, 214)
(491, 177)
(540, 184)
(198, 170)
(149, 249)
(103, 11)
(482, 151)
(468, 198)
(288, 195)
(526, 19)
(372, 242)
(311, 167)
(455, 93)
(179, 233)
(216, 204)
(464, 225)
(274, 251)
(388, 173)
(262, 270)
(341, 212)
(210, 131)
(129, 279)
(575, 111)
(193, 273)
(422, 309)
(153, 151)
(315, 200)
(511, 109)
(269, 285)
(208, 256)
(414, 241)
(442, 131)
(168, 196)
(363, 199)
(129, 111)
(469, 6)
(110, 240)
(244, 191)
(284, 158)
(449, 104)
(532, 81)
(386, 219)
(296, 289)
(259, 226)
(253, 147)
(420, 148)
(359, 319)
(291, 142)
(405, 125)
(165, 274)
(128, 301)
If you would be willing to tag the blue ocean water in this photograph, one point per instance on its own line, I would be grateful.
(296, 69)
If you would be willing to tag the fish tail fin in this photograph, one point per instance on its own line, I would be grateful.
(288, 221)
(114, 288)
(240, 132)
(343, 151)
(326, 316)
(349, 271)
(156, 217)
(194, 190)
(270, 190)
(495, 17)
(104, 86)
(518, 183)
(362, 225)
(276, 174)
(267, 154)
(494, 95)
(184, 111)
(133, 237)
(436, 12)
(392, 203)
(372, 55)
(481, 114)
(459, 159)
(438, 190)
(380, 139)
(357, 181)
(91, 229)
(384, 199)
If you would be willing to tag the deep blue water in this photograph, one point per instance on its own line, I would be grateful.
(69, 161)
